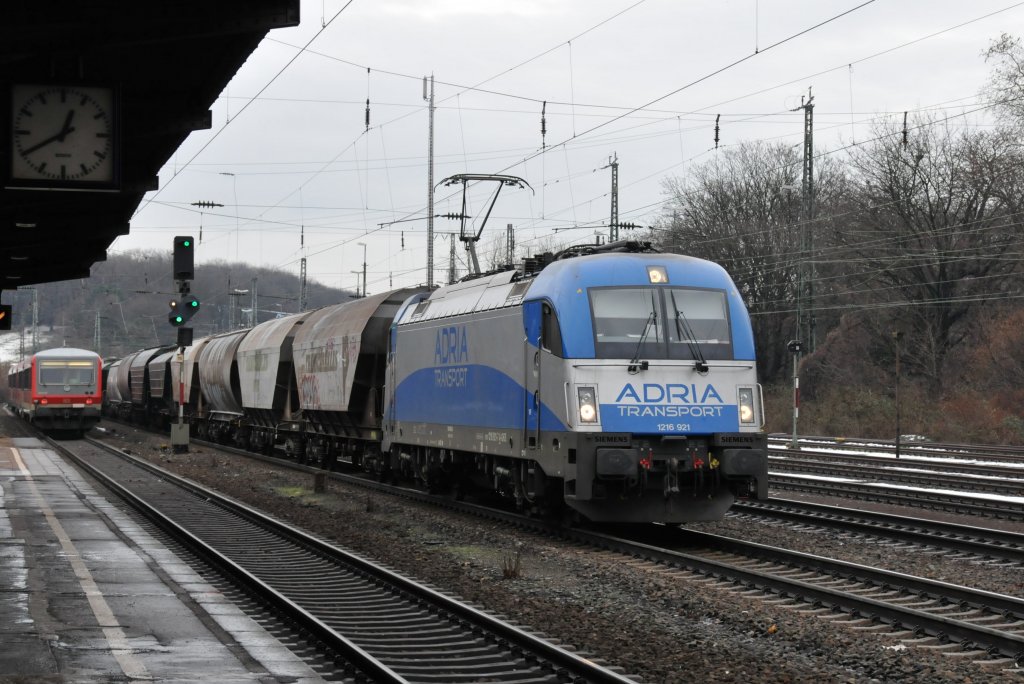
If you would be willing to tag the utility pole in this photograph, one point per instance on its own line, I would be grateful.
(430, 180)
(35, 320)
(451, 262)
(897, 336)
(806, 318)
(303, 292)
(234, 295)
(96, 339)
(363, 245)
(255, 301)
(613, 228)
(510, 245)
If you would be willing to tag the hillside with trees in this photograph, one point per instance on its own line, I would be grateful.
(126, 301)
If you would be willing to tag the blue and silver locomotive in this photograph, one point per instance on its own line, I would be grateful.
(617, 381)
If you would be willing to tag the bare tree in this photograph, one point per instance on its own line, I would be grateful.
(742, 210)
(1006, 82)
(933, 233)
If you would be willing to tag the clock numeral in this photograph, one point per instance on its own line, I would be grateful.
(99, 154)
(84, 168)
(22, 132)
(41, 167)
(25, 112)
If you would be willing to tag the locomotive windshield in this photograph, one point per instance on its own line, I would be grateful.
(61, 372)
(661, 323)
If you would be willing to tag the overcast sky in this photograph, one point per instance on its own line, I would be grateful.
(289, 152)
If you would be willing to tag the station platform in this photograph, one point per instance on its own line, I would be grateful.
(86, 595)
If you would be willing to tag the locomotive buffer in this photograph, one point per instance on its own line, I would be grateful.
(183, 308)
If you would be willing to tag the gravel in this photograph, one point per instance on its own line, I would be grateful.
(656, 623)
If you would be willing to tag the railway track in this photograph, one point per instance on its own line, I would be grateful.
(952, 618)
(974, 543)
(955, 620)
(376, 624)
(940, 500)
(1009, 455)
(981, 625)
(934, 477)
(909, 464)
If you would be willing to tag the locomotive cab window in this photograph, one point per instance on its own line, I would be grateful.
(627, 322)
(550, 333)
(698, 322)
(74, 373)
(661, 323)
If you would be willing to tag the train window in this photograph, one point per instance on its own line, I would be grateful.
(550, 333)
(627, 322)
(698, 324)
(76, 373)
(660, 323)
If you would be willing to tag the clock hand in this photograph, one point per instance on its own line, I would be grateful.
(43, 143)
(65, 129)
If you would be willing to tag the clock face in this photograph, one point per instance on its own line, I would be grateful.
(63, 134)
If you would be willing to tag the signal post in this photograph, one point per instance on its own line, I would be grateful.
(183, 307)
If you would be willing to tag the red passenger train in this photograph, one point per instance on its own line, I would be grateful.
(58, 390)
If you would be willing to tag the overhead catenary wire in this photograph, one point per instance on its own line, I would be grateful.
(550, 214)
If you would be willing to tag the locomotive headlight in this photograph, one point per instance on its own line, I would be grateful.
(747, 405)
(588, 404)
(657, 275)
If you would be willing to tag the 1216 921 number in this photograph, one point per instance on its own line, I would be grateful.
(673, 427)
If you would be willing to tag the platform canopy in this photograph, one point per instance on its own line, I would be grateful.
(96, 96)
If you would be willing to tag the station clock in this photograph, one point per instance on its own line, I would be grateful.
(63, 137)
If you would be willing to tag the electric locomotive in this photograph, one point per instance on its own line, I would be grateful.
(58, 390)
(617, 381)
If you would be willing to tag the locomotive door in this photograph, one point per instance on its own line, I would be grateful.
(532, 312)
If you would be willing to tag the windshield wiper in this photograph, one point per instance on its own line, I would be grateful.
(635, 364)
(685, 332)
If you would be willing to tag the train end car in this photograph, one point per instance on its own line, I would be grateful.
(59, 391)
(620, 384)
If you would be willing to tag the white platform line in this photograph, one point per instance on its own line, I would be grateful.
(119, 646)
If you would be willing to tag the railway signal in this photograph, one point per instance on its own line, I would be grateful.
(183, 307)
(176, 316)
(6, 316)
(184, 257)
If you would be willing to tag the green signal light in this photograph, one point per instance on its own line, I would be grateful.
(187, 243)
(194, 304)
(179, 319)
